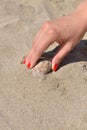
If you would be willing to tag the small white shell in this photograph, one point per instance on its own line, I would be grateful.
(42, 68)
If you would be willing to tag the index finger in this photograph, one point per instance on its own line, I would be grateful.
(39, 47)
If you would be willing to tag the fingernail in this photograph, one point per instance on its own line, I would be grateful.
(24, 62)
(28, 66)
(55, 67)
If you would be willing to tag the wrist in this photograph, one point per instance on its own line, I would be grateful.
(81, 12)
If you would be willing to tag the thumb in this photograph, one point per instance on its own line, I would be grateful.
(62, 52)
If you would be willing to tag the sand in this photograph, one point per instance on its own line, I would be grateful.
(60, 101)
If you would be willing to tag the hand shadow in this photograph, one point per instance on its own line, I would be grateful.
(79, 53)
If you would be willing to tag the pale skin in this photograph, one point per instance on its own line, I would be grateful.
(67, 31)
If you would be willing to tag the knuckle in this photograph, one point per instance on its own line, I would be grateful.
(51, 31)
(46, 25)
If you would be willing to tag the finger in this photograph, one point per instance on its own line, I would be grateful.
(45, 27)
(62, 52)
(39, 48)
(32, 50)
(38, 35)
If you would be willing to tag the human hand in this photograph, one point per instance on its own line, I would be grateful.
(67, 31)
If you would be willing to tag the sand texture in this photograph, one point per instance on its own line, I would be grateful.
(60, 101)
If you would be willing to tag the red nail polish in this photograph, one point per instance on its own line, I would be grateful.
(29, 65)
(24, 62)
(55, 67)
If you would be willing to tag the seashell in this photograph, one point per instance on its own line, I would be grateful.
(42, 68)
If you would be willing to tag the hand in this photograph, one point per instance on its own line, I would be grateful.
(67, 31)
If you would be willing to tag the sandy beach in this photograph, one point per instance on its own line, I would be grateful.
(60, 101)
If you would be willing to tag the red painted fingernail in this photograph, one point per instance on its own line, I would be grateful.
(24, 62)
(55, 67)
(28, 66)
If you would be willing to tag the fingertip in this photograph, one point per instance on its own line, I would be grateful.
(24, 62)
(55, 67)
(29, 65)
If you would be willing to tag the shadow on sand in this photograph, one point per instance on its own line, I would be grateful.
(79, 53)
